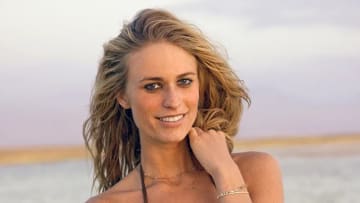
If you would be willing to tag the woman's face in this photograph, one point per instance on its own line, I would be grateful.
(162, 92)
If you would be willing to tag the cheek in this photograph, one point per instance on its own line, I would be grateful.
(193, 97)
(143, 104)
(140, 111)
(196, 93)
(195, 100)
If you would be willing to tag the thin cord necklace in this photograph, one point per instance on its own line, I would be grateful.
(142, 178)
(168, 177)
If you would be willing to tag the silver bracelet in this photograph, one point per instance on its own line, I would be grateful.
(239, 190)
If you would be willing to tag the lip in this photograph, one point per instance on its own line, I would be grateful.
(171, 120)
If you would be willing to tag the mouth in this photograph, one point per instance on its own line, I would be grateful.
(171, 118)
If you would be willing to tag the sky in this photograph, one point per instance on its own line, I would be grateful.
(299, 59)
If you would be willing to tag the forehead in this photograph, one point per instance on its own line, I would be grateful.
(160, 59)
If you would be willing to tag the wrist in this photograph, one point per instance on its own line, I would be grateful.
(238, 190)
(228, 178)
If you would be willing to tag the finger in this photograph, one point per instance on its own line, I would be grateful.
(221, 133)
(199, 131)
(193, 133)
(212, 132)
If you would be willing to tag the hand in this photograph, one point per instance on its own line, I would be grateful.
(211, 150)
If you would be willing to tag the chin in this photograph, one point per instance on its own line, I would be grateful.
(173, 137)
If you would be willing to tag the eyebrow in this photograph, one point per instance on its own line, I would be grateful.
(161, 79)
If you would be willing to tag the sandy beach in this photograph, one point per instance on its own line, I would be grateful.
(336, 145)
(41, 154)
(319, 146)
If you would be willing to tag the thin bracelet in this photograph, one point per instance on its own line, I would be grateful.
(239, 190)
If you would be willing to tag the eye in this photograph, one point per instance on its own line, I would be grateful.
(184, 82)
(152, 86)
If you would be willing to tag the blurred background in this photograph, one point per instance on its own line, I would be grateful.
(299, 59)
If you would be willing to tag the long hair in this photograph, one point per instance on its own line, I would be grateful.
(110, 132)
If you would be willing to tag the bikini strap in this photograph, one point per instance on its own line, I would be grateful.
(143, 188)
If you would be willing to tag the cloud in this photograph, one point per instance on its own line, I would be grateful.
(290, 12)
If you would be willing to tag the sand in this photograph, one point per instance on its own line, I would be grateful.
(320, 146)
(41, 154)
(336, 145)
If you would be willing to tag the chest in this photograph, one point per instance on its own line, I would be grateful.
(198, 192)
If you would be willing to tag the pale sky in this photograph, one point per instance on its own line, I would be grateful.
(299, 59)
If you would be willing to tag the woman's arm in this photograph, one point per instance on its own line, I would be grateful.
(211, 151)
(249, 177)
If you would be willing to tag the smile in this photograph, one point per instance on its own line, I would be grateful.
(171, 118)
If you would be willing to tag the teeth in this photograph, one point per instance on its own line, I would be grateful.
(172, 118)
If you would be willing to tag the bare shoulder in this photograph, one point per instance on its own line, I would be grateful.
(124, 191)
(255, 160)
(107, 197)
(262, 175)
(98, 199)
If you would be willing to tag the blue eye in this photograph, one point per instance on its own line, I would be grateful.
(185, 82)
(152, 86)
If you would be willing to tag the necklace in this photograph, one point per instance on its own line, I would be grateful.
(150, 176)
(154, 178)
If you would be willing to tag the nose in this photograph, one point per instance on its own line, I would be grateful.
(172, 98)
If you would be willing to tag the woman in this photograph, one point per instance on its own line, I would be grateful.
(164, 108)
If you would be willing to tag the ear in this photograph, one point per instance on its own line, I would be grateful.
(123, 101)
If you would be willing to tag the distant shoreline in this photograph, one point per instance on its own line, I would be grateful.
(30, 155)
(276, 142)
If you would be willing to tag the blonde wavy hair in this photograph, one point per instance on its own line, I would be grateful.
(110, 133)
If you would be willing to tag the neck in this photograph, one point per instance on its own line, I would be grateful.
(166, 160)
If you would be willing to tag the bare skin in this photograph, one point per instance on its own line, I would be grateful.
(259, 171)
(162, 92)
